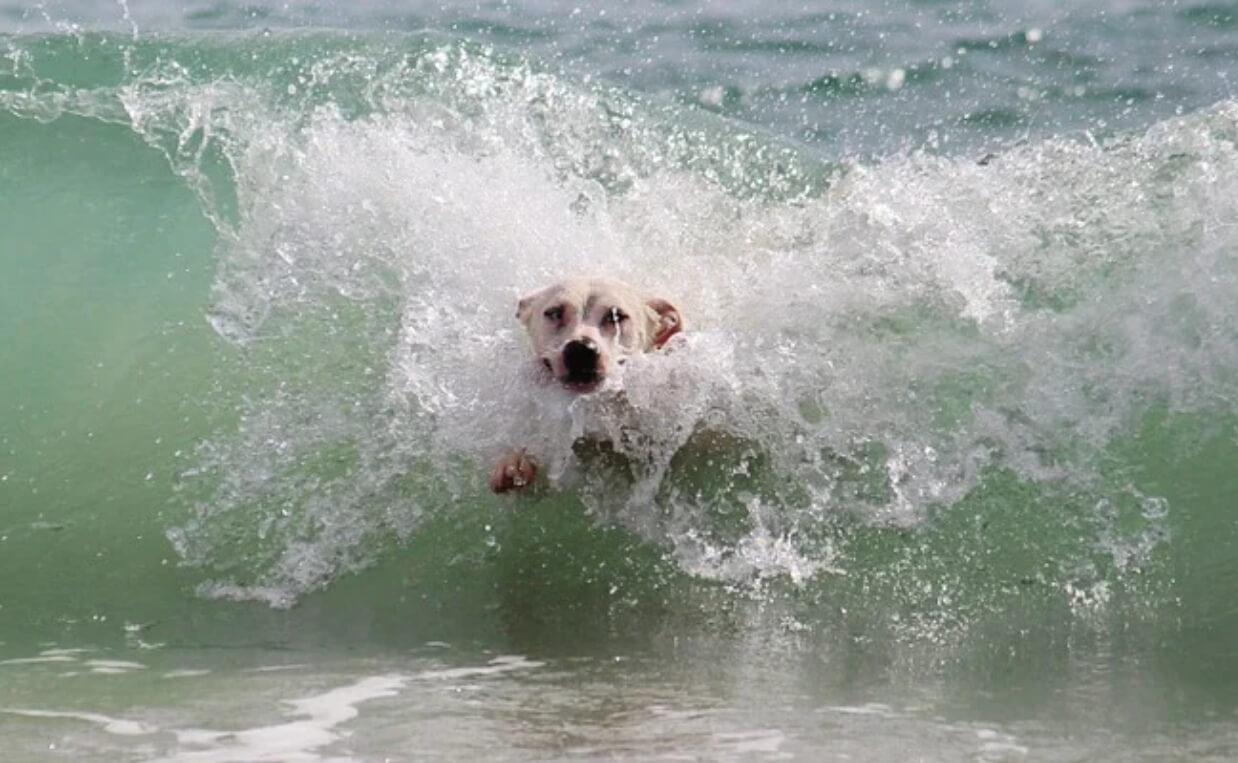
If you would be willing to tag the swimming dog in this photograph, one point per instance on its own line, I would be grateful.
(580, 331)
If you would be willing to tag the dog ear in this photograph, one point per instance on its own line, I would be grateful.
(668, 322)
(525, 305)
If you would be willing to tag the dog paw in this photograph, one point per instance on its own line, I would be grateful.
(514, 471)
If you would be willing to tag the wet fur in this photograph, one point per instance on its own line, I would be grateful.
(580, 331)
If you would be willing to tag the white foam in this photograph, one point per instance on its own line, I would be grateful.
(35, 660)
(113, 666)
(186, 673)
(118, 726)
(884, 343)
(766, 743)
(498, 665)
(295, 740)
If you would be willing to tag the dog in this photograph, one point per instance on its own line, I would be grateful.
(581, 330)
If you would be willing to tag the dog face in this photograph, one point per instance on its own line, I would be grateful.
(581, 329)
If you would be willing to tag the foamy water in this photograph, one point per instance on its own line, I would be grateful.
(512, 708)
(875, 346)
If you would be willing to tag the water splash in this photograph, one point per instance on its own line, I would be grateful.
(873, 346)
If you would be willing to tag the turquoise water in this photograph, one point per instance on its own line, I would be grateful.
(942, 468)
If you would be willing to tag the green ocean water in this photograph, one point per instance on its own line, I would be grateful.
(942, 468)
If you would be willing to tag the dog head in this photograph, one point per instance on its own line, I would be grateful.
(581, 329)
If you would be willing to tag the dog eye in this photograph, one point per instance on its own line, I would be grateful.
(616, 316)
(554, 313)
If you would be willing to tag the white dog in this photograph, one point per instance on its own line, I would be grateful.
(580, 330)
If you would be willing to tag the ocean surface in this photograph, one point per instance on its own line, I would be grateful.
(944, 467)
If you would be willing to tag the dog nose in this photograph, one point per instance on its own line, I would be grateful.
(580, 356)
